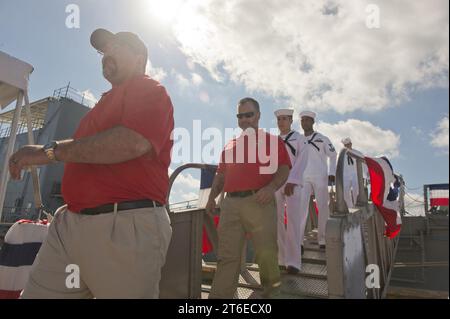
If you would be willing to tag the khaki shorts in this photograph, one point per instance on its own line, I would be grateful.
(114, 255)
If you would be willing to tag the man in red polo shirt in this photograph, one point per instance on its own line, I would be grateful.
(252, 168)
(114, 229)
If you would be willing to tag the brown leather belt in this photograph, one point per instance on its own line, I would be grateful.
(242, 193)
(109, 208)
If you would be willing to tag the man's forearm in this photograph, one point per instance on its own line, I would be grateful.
(217, 186)
(280, 177)
(113, 146)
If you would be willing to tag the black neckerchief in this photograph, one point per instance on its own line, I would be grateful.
(349, 160)
(289, 144)
(312, 143)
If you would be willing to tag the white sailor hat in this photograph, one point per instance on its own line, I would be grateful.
(346, 140)
(308, 114)
(285, 112)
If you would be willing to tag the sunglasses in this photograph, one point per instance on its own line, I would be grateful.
(246, 115)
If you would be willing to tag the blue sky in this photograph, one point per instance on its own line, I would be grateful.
(385, 86)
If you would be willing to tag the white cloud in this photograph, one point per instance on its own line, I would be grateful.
(155, 73)
(320, 53)
(190, 64)
(440, 135)
(188, 182)
(366, 137)
(180, 79)
(196, 79)
(189, 196)
(191, 85)
(186, 187)
(89, 98)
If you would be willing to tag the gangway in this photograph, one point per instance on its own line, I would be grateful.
(355, 241)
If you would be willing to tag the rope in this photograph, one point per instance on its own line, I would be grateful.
(413, 199)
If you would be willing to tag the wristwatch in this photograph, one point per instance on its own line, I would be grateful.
(49, 150)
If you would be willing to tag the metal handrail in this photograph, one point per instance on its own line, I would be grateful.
(374, 247)
(341, 205)
(362, 199)
(210, 228)
(177, 171)
(187, 204)
(69, 92)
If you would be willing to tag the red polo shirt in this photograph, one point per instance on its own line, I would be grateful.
(140, 104)
(251, 163)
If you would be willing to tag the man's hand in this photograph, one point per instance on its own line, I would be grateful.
(26, 156)
(331, 179)
(289, 189)
(265, 195)
(210, 206)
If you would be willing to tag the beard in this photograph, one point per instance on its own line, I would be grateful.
(109, 68)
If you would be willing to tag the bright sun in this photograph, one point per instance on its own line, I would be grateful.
(165, 10)
(182, 17)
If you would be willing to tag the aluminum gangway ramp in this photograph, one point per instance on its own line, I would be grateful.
(310, 283)
(356, 249)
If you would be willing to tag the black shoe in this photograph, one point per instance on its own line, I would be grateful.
(322, 246)
(291, 270)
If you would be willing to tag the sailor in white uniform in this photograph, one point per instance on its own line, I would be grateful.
(288, 196)
(312, 173)
(351, 188)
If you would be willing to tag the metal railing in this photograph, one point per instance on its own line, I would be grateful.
(5, 128)
(71, 93)
(176, 172)
(181, 276)
(208, 220)
(11, 214)
(184, 205)
(356, 244)
(354, 237)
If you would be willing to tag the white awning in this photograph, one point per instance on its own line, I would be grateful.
(14, 75)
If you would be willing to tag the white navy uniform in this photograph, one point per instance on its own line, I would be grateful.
(289, 237)
(351, 187)
(311, 172)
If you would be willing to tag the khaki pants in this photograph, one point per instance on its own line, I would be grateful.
(119, 255)
(239, 216)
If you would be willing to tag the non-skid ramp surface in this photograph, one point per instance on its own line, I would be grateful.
(310, 282)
